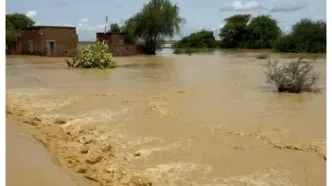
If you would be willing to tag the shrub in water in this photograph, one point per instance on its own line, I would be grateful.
(177, 51)
(262, 56)
(188, 51)
(92, 56)
(294, 77)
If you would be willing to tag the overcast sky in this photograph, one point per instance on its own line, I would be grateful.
(89, 16)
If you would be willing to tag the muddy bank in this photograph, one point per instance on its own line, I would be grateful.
(79, 150)
(29, 163)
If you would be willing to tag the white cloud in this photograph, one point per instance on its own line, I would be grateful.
(84, 20)
(31, 14)
(220, 26)
(242, 6)
(101, 26)
(312, 10)
(68, 24)
(238, 5)
(83, 27)
(290, 6)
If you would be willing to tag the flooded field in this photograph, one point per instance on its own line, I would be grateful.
(204, 119)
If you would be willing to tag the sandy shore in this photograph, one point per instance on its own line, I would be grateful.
(77, 150)
(29, 163)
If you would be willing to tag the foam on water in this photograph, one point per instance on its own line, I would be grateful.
(264, 178)
(176, 173)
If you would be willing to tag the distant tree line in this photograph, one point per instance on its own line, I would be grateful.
(306, 36)
(160, 19)
(240, 31)
(261, 32)
(201, 39)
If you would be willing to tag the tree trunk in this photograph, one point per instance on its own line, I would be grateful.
(154, 44)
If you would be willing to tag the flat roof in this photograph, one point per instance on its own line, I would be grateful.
(44, 26)
(110, 33)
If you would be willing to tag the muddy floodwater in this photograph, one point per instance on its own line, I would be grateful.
(204, 119)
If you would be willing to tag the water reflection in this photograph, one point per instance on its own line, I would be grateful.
(165, 52)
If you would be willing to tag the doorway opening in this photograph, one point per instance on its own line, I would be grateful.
(50, 47)
(31, 48)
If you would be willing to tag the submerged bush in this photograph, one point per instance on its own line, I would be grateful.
(92, 56)
(183, 51)
(295, 77)
(197, 40)
(188, 51)
(262, 56)
(192, 50)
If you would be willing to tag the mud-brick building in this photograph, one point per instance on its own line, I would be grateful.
(15, 46)
(46, 41)
(117, 45)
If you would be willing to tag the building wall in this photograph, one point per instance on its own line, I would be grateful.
(117, 46)
(14, 48)
(66, 40)
(35, 37)
(101, 36)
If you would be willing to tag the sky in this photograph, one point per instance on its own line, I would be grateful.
(89, 16)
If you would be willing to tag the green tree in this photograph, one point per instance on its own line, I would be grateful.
(10, 32)
(263, 32)
(234, 33)
(157, 19)
(201, 39)
(306, 36)
(15, 22)
(114, 28)
(129, 29)
(20, 20)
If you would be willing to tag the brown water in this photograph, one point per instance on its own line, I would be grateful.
(206, 119)
(29, 164)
